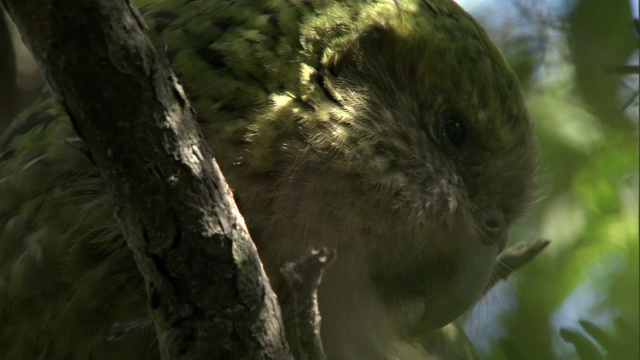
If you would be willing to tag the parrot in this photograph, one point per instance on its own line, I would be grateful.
(392, 131)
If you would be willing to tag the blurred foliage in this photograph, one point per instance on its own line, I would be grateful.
(578, 64)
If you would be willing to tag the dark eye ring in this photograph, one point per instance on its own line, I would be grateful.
(453, 131)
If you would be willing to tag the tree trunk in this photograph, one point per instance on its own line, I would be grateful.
(208, 295)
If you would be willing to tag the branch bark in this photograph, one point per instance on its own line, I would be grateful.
(208, 294)
(9, 87)
(303, 278)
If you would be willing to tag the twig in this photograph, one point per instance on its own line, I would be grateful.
(514, 258)
(303, 278)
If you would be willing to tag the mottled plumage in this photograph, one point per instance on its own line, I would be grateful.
(392, 131)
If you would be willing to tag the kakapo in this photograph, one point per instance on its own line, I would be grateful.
(391, 131)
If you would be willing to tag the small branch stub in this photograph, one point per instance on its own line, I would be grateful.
(514, 258)
(303, 278)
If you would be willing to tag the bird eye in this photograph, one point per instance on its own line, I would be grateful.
(453, 131)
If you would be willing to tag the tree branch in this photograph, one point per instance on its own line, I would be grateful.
(208, 294)
(9, 89)
(303, 278)
(514, 258)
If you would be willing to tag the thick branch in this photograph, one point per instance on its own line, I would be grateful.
(208, 295)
